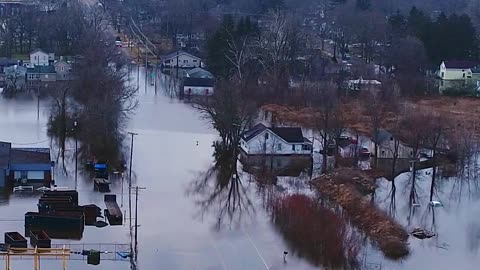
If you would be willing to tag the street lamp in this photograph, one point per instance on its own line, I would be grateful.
(75, 124)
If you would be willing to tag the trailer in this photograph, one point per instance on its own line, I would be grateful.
(40, 239)
(15, 240)
(61, 225)
(113, 212)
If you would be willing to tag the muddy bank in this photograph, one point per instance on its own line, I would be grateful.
(388, 235)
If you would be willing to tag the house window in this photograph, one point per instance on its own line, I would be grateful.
(20, 175)
(383, 152)
(443, 74)
(266, 136)
(185, 61)
(35, 57)
(463, 75)
(279, 147)
(264, 147)
(195, 61)
(293, 147)
(63, 68)
(305, 147)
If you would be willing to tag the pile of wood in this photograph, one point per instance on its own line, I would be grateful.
(390, 237)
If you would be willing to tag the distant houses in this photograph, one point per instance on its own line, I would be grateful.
(262, 140)
(42, 67)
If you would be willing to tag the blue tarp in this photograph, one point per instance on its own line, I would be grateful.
(100, 166)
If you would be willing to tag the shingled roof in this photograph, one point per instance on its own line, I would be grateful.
(288, 134)
(456, 64)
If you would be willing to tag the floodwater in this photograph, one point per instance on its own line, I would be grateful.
(178, 230)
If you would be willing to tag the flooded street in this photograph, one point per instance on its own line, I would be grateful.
(172, 151)
(172, 233)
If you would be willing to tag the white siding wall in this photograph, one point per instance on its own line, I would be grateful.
(39, 59)
(197, 91)
(274, 145)
(454, 74)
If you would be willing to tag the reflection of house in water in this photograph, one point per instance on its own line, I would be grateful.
(278, 165)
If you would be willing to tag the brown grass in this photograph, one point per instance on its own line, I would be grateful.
(390, 236)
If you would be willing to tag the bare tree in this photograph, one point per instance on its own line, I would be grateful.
(436, 128)
(328, 120)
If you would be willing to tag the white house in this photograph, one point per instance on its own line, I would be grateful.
(262, 140)
(456, 70)
(183, 59)
(41, 58)
(198, 86)
(360, 84)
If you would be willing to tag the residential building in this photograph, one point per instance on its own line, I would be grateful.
(262, 140)
(42, 73)
(41, 58)
(198, 86)
(456, 70)
(24, 166)
(459, 75)
(181, 59)
(386, 144)
(361, 84)
(63, 70)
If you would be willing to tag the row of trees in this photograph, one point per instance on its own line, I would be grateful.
(55, 29)
(99, 98)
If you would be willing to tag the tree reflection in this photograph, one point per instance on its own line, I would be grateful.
(221, 190)
(315, 232)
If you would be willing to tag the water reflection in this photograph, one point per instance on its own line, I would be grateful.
(315, 232)
(222, 190)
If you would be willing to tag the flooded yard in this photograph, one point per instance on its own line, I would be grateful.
(206, 228)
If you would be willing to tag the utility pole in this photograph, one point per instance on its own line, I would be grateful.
(75, 124)
(146, 70)
(137, 188)
(38, 88)
(177, 64)
(130, 179)
(130, 199)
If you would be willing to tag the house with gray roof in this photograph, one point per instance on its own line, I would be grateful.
(263, 140)
(42, 73)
